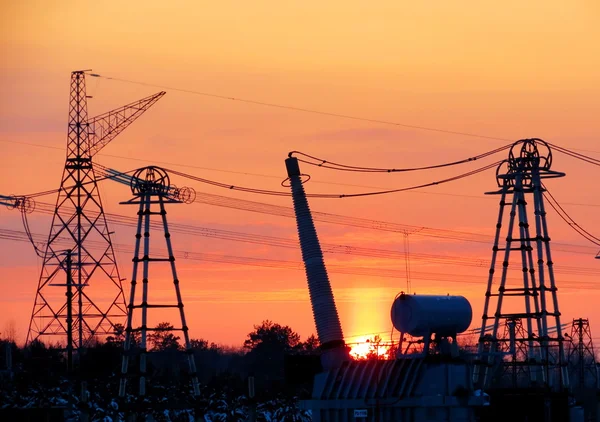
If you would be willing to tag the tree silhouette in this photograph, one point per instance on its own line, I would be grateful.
(118, 338)
(199, 344)
(269, 335)
(267, 346)
(163, 338)
(311, 345)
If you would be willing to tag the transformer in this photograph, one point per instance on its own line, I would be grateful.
(413, 387)
(423, 315)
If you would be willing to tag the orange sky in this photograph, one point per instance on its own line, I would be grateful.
(516, 70)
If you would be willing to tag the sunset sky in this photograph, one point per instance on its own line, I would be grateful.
(507, 70)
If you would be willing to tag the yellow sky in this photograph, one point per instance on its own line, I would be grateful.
(510, 70)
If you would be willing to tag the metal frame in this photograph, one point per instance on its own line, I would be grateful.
(521, 175)
(150, 185)
(581, 356)
(79, 215)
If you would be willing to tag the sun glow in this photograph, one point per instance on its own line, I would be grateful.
(369, 348)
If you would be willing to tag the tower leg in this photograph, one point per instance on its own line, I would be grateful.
(186, 336)
(494, 339)
(488, 292)
(529, 284)
(144, 305)
(544, 238)
(128, 327)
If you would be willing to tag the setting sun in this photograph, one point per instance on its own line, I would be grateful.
(366, 348)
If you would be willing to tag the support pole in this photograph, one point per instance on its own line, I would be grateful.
(69, 295)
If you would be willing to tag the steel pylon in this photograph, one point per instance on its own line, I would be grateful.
(531, 295)
(151, 186)
(97, 299)
(581, 357)
(515, 350)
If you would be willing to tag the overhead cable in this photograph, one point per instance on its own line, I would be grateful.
(577, 155)
(568, 219)
(282, 242)
(320, 162)
(329, 195)
(15, 235)
(301, 109)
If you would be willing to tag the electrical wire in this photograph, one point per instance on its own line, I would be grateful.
(37, 250)
(567, 218)
(294, 108)
(228, 235)
(329, 195)
(320, 162)
(15, 235)
(305, 110)
(571, 153)
(266, 175)
(97, 179)
(288, 212)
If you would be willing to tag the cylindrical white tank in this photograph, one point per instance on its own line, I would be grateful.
(422, 315)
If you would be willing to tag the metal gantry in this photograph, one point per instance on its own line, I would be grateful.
(531, 295)
(79, 216)
(515, 350)
(581, 357)
(151, 186)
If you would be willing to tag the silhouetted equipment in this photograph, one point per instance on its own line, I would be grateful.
(527, 405)
(520, 178)
(22, 203)
(515, 350)
(327, 321)
(79, 216)
(301, 369)
(68, 267)
(151, 186)
(423, 315)
(433, 385)
(581, 356)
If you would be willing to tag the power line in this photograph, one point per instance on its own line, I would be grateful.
(571, 153)
(281, 242)
(268, 175)
(329, 195)
(320, 162)
(307, 110)
(568, 219)
(15, 235)
(277, 210)
(301, 109)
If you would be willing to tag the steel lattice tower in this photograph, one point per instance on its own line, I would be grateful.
(79, 217)
(532, 295)
(150, 185)
(516, 351)
(581, 357)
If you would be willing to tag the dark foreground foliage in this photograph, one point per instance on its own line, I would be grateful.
(38, 379)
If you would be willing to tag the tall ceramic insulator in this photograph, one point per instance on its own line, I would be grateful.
(325, 313)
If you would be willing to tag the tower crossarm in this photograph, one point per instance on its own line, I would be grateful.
(104, 128)
(172, 192)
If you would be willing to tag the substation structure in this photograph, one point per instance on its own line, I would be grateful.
(525, 299)
(79, 218)
(151, 186)
(521, 361)
(434, 385)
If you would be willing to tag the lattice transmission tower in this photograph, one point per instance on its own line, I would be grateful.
(79, 218)
(515, 350)
(582, 360)
(527, 290)
(151, 186)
